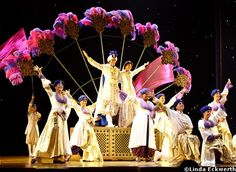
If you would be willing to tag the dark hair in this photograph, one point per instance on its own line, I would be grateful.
(177, 102)
(58, 82)
(127, 62)
(34, 105)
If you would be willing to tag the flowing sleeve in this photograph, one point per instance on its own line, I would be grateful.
(139, 69)
(179, 95)
(224, 95)
(94, 63)
(204, 132)
(219, 114)
(46, 85)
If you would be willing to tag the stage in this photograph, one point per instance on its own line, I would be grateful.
(22, 163)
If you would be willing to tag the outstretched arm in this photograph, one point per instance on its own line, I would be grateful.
(91, 61)
(139, 69)
(30, 104)
(179, 95)
(225, 92)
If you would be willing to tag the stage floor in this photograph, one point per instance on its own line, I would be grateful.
(22, 163)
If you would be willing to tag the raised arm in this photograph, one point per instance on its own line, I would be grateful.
(30, 104)
(139, 69)
(45, 82)
(91, 61)
(179, 95)
(73, 103)
(225, 92)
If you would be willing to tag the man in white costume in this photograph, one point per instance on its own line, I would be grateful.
(223, 127)
(142, 137)
(162, 123)
(213, 149)
(127, 111)
(108, 100)
(185, 146)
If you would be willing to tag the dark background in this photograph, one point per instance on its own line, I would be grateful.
(204, 31)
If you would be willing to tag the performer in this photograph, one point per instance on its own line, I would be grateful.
(83, 136)
(212, 147)
(223, 127)
(142, 137)
(54, 139)
(185, 146)
(32, 129)
(127, 112)
(108, 100)
(162, 123)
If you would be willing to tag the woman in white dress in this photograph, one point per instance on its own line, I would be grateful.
(83, 139)
(32, 129)
(127, 111)
(54, 139)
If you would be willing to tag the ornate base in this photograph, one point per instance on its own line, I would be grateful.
(113, 142)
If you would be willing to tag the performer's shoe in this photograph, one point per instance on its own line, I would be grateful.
(58, 161)
(33, 160)
(137, 159)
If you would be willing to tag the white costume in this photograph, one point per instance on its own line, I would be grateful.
(83, 135)
(185, 146)
(223, 126)
(162, 123)
(142, 135)
(208, 129)
(54, 139)
(108, 100)
(127, 111)
(32, 129)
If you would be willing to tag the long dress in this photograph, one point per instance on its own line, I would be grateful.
(127, 111)
(223, 126)
(83, 136)
(162, 124)
(108, 100)
(32, 129)
(208, 128)
(185, 146)
(142, 137)
(54, 139)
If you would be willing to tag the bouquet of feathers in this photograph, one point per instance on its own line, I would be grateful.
(122, 19)
(183, 79)
(95, 17)
(41, 42)
(150, 34)
(66, 24)
(169, 54)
